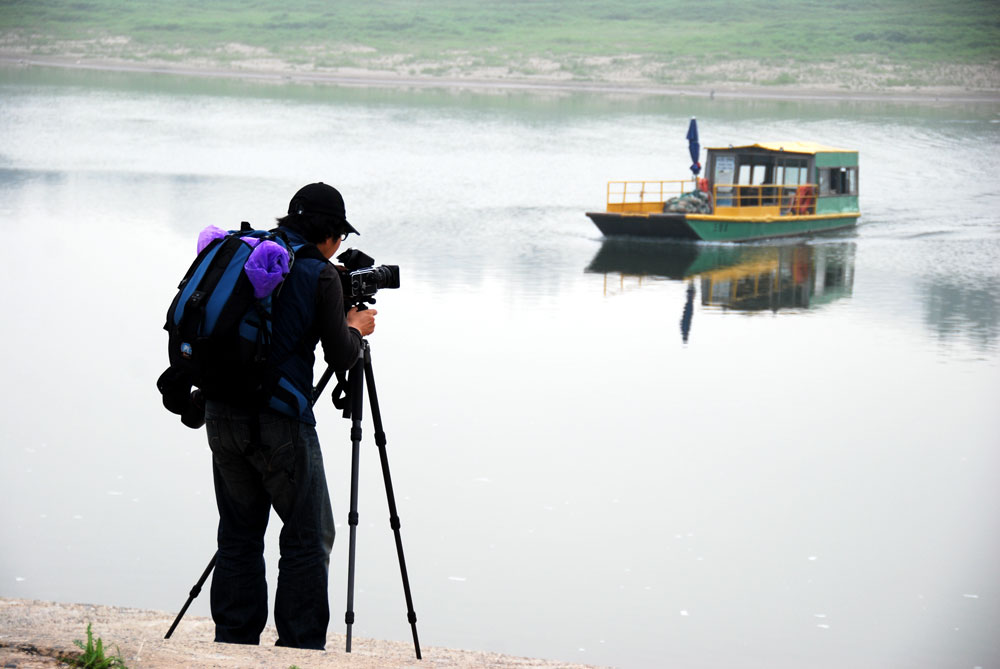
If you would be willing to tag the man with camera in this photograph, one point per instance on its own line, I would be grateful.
(271, 458)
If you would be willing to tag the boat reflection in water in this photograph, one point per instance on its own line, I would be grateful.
(737, 277)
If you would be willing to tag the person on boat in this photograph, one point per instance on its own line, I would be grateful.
(263, 458)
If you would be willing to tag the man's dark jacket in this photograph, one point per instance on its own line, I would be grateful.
(308, 309)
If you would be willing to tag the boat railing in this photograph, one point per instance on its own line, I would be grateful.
(773, 199)
(644, 196)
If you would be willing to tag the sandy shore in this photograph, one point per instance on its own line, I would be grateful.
(36, 634)
(278, 73)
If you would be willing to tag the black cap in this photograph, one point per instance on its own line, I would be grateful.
(319, 198)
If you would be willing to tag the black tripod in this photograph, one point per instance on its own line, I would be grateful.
(353, 404)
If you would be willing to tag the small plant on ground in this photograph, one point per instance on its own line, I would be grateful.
(93, 654)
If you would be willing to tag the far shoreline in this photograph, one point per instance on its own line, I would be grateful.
(376, 79)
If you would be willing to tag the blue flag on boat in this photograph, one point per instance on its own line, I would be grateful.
(693, 146)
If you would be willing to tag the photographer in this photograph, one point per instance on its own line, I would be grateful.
(271, 457)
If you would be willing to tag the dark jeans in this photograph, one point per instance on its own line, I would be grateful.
(256, 466)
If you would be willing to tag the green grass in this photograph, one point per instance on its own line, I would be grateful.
(93, 657)
(908, 32)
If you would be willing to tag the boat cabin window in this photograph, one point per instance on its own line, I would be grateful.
(792, 172)
(757, 170)
(838, 181)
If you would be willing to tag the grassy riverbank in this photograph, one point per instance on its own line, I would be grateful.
(848, 45)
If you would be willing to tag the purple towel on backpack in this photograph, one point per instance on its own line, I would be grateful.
(206, 236)
(211, 233)
(266, 267)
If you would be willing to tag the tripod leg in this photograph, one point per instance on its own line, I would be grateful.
(356, 385)
(380, 441)
(195, 591)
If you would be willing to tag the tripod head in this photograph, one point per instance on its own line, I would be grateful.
(362, 302)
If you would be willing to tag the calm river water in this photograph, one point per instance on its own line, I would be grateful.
(805, 473)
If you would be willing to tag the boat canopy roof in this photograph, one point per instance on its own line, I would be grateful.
(786, 147)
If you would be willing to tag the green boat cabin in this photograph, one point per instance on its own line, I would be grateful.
(780, 179)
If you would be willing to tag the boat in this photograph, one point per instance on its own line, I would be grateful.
(754, 191)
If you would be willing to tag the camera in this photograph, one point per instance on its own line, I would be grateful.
(362, 279)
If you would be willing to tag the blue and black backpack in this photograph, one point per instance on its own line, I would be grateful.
(219, 323)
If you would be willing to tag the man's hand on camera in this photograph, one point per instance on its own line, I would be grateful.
(362, 321)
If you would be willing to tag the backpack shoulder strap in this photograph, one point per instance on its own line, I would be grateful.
(310, 251)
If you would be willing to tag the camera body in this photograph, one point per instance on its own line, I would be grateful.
(362, 279)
